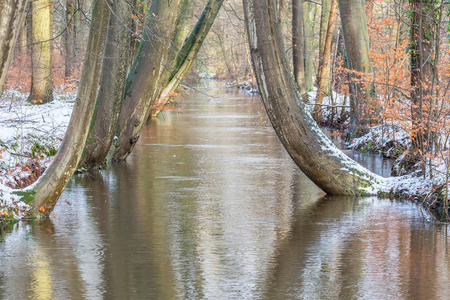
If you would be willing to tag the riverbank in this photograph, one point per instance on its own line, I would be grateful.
(31, 135)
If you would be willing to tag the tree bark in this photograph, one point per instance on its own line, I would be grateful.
(69, 38)
(325, 63)
(51, 184)
(356, 40)
(112, 86)
(324, 19)
(148, 76)
(298, 53)
(41, 51)
(311, 150)
(190, 50)
(308, 35)
(12, 14)
(423, 25)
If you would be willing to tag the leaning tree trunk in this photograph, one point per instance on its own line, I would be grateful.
(190, 50)
(41, 51)
(311, 150)
(324, 64)
(11, 19)
(298, 48)
(356, 40)
(148, 76)
(46, 191)
(112, 86)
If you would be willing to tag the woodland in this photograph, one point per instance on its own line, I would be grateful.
(379, 71)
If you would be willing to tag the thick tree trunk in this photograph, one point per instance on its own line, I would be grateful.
(298, 53)
(312, 151)
(190, 49)
(112, 86)
(356, 40)
(423, 29)
(41, 51)
(11, 19)
(324, 19)
(51, 184)
(325, 63)
(149, 74)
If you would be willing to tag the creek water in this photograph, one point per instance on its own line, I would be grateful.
(210, 206)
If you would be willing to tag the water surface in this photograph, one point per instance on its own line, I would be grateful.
(210, 206)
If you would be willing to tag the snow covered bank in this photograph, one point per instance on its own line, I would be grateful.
(29, 137)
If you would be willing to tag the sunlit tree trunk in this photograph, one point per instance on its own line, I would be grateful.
(11, 19)
(298, 45)
(423, 26)
(325, 63)
(51, 184)
(324, 19)
(190, 49)
(356, 40)
(311, 150)
(112, 86)
(41, 51)
(69, 37)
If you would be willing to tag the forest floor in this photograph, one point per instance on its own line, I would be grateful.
(31, 134)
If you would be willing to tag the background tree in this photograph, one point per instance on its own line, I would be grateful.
(41, 54)
(356, 39)
(423, 73)
(298, 46)
(11, 17)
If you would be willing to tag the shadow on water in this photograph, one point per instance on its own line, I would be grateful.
(210, 206)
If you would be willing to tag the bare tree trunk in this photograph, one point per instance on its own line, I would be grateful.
(11, 19)
(422, 72)
(325, 63)
(324, 19)
(112, 86)
(308, 35)
(298, 53)
(311, 150)
(51, 184)
(190, 49)
(356, 40)
(69, 37)
(41, 51)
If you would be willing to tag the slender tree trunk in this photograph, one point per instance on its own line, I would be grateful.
(312, 151)
(325, 63)
(11, 19)
(298, 53)
(41, 51)
(190, 49)
(308, 35)
(51, 184)
(356, 40)
(69, 37)
(112, 86)
(324, 19)
(422, 72)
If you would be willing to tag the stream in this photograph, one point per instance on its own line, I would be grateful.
(210, 206)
